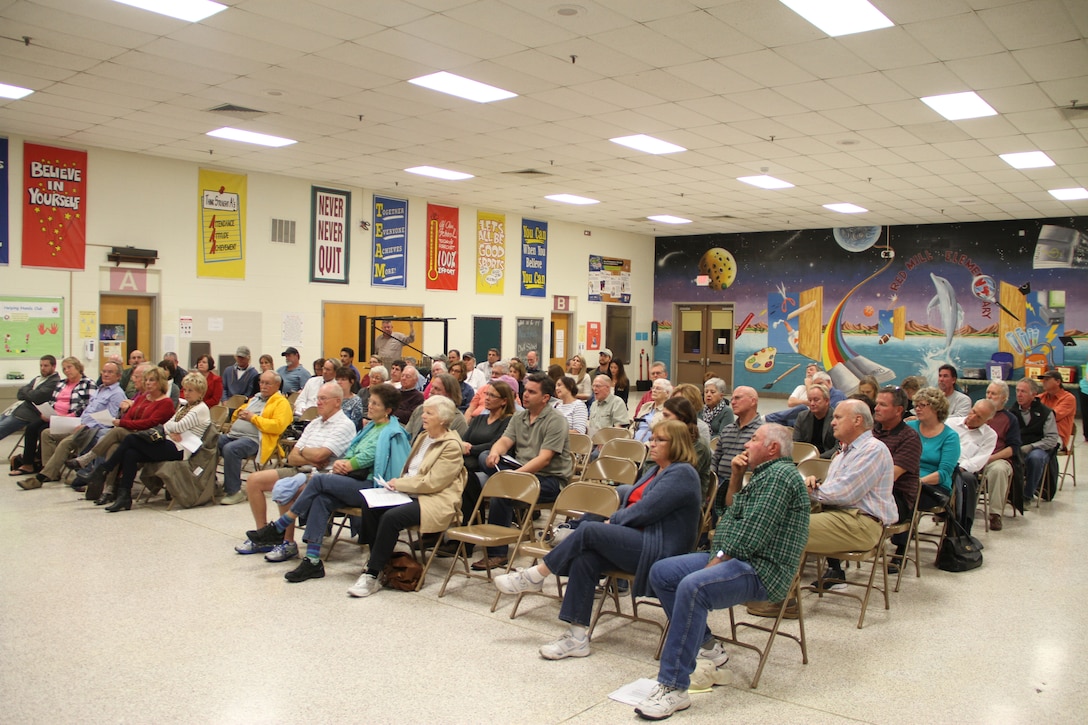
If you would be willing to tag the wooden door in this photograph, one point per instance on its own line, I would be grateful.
(340, 327)
(136, 314)
(703, 343)
(562, 346)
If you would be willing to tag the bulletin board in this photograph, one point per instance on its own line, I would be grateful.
(31, 327)
(223, 331)
(609, 279)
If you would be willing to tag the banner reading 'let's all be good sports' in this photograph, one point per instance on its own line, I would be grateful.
(221, 248)
(490, 253)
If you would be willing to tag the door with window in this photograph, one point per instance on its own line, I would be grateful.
(135, 313)
(703, 343)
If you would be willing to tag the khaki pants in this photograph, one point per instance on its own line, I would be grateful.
(836, 531)
(58, 449)
(998, 474)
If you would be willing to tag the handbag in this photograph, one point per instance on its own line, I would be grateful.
(959, 551)
(154, 435)
(402, 572)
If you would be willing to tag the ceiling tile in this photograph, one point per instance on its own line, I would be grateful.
(1030, 24)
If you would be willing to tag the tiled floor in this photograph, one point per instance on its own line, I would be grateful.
(149, 616)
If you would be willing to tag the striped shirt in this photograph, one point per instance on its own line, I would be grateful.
(730, 443)
(861, 477)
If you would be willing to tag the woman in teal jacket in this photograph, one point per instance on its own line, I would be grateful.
(381, 448)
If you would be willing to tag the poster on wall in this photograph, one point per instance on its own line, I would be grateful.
(4, 201)
(593, 336)
(530, 336)
(31, 327)
(534, 258)
(329, 249)
(609, 279)
(490, 253)
(443, 240)
(221, 248)
(54, 207)
(390, 242)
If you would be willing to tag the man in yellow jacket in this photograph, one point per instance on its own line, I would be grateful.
(255, 431)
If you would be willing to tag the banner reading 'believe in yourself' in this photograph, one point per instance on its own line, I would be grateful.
(54, 207)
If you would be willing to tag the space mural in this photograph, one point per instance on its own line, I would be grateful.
(886, 301)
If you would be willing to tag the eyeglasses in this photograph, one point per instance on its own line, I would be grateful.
(659, 439)
(919, 406)
(323, 398)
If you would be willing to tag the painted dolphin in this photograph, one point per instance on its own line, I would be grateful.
(945, 302)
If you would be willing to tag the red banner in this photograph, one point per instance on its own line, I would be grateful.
(54, 207)
(442, 244)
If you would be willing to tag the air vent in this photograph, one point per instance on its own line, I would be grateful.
(721, 216)
(229, 109)
(1075, 112)
(283, 231)
(528, 172)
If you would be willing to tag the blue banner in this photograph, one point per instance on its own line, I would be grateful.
(4, 241)
(534, 258)
(390, 242)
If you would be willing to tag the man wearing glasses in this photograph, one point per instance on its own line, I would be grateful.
(255, 431)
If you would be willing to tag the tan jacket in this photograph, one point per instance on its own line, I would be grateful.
(439, 483)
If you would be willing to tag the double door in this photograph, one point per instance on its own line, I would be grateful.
(703, 343)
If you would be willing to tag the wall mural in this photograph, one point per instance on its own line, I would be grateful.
(886, 301)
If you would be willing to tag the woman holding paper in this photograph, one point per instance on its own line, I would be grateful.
(433, 477)
(191, 421)
(69, 399)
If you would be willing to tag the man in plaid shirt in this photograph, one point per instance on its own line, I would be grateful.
(756, 551)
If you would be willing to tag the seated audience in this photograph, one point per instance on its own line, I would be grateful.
(977, 441)
(606, 410)
(410, 397)
(694, 395)
(1039, 439)
(255, 430)
(307, 398)
(39, 390)
(731, 441)
(205, 365)
(813, 424)
(457, 370)
(1004, 462)
(940, 447)
(717, 413)
(351, 404)
(648, 413)
(240, 378)
(680, 408)
(567, 403)
(958, 403)
(443, 385)
(799, 396)
(1062, 402)
(868, 386)
(576, 368)
(621, 386)
(293, 374)
(347, 359)
(906, 449)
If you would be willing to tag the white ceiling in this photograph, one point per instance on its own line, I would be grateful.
(746, 85)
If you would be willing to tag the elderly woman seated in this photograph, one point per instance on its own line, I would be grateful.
(380, 449)
(446, 386)
(657, 519)
(433, 477)
(650, 412)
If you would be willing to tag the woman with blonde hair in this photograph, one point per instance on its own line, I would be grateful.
(576, 368)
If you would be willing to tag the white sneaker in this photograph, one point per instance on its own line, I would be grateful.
(706, 675)
(715, 653)
(565, 646)
(233, 498)
(517, 582)
(365, 585)
(662, 703)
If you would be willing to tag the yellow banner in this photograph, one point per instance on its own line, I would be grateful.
(490, 253)
(222, 219)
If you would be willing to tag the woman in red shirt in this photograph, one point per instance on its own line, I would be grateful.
(205, 365)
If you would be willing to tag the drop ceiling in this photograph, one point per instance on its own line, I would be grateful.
(747, 86)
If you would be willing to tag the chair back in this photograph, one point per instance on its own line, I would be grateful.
(581, 498)
(706, 519)
(804, 451)
(219, 414)
(580, 447)
(309, 414)
(632, 450)
(614, 470)
(293, 397)
(235, 401)
(513, 485)
(814, 467)
(606, 434)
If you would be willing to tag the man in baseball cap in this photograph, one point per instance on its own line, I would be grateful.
(240, 378)
(294, 374)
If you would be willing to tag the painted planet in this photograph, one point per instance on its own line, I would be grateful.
(868, 311)
(720, 266)
(856, 239)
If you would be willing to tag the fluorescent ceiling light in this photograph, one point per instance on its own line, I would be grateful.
(765, 182)
(439, 173)
(1069, 194)
(649, 144)
(462, 87)
(237, 134)
(571, 199)
(846, 208)
(669, 219)
(957, 106)
(192, 10)
(13, 92)
(1027, 160)
(840, 17)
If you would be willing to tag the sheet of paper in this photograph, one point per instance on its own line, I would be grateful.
(634, 692)
(191, 442)
(377, 498)
(62, 425)
(104, 417)
(46, 409)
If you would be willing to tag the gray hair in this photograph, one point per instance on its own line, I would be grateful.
(664, 383)
(989, 405)
(333, 390)
(438, 367)
(659, 364)
(822, 389)
(410, 371)
(1035, 389)
(503, 366)
(822, 378)
(859, 408)
(780, 434)
(1004, 395)
(717, 383)
(381, 371)
(446, 410)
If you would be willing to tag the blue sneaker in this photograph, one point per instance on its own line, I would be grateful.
(250, 548)
(282, 552)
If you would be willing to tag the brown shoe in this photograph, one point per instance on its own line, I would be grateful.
(770, 609)
(995, 522)
(31, 483)
(488, 562)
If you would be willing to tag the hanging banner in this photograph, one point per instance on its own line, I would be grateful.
(221, 248)
(4, 239)
(54, 207)
(490, 253)
(390, 242)
(329, 210)
(609, 279)
(534, 258)
(443, 239)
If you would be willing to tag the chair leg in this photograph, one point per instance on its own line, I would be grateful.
(459, 555)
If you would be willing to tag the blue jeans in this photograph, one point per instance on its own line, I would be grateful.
(502, 510)
(584, 555)
(234, 451)
(1034, 463)
(10, 424)
(325, 493)
(688, 591)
